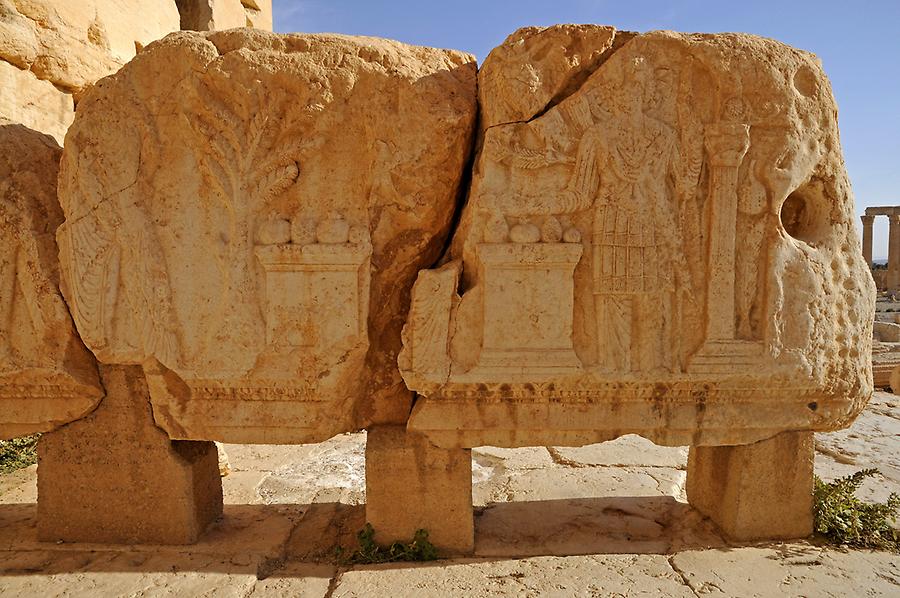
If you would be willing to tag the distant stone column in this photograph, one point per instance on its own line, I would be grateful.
(893, 273)
(867, 222)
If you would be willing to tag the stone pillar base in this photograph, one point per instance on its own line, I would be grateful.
(760, 491)
(114, 477)
(412, 484)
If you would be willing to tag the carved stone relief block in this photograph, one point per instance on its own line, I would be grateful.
(713, 289)
(245, 217)
(47, 376)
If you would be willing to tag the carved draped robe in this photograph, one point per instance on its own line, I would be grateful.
(622, 169)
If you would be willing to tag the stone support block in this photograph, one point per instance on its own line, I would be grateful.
(412, 484)
(114, 477)
(759, 491)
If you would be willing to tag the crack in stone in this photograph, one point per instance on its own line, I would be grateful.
(681, 574)
(559, 459)
(617, 42)
(835, 454)
(334, 582)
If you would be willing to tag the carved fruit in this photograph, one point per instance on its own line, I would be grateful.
(496, 230)
(333, 230)
(551, 231)
(274, 231)
(572, 235)
(303, 231)
(525, 232)
(358, 235)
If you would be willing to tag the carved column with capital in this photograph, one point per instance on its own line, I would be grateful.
(726, 145)
(867, 222)
(893, 267)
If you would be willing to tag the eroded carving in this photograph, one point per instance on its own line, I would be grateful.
(706, 222)
(235, 260)
(47, 377)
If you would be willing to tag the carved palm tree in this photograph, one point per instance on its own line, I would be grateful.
(248, 146)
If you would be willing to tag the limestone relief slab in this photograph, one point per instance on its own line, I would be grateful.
(665, 246)
(47, 376)
(245, 216)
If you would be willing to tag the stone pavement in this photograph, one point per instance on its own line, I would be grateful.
(616, 510)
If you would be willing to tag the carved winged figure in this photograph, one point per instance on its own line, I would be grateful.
(115, 274)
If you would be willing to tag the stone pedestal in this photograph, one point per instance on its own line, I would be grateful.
(114, 477)
(316, 295)
(528, 308)
(760, 491)
(412, 484)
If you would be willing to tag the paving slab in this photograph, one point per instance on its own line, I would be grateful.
(602, 575)
(789, 570)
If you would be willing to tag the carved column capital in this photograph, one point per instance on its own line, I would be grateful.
(727, 143)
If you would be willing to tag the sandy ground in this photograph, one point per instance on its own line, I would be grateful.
(602, 520)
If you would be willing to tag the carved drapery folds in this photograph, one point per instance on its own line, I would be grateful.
(683, 218)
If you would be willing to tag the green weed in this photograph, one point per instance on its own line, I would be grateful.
(844, 519)
(18, 453)
(368, 552)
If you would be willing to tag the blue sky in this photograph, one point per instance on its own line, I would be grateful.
(858, 43)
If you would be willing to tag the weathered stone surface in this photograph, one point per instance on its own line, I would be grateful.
(536, 67)
(47, 376)
(218, 15)
(114, 477)
(412, 485)
(885, 359)
(598, 575)
(331, 471)
(788, 571)
(259, 14)
(659, 241)
(886, 332)
(72, 44)
(870, 443)
(625, 451)
(94, 573)
(757, 491)
(34, 103)
(217, 174)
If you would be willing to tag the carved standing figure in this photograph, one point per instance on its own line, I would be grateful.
(622, 167)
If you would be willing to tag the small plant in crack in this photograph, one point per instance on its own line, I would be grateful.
(844, 519)
(369, 552)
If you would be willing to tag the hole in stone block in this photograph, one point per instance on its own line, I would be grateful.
(804, 215)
